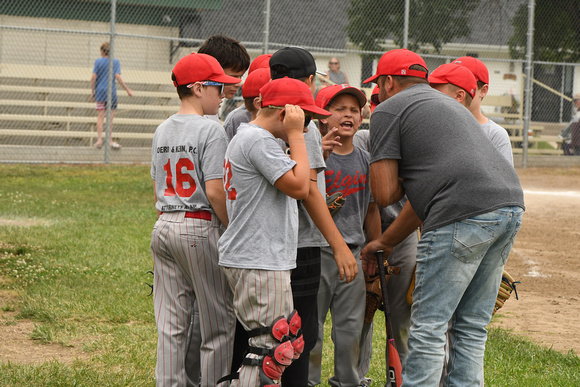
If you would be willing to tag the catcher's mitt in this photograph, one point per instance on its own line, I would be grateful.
(335, 202)
(374, 298)
(506, 287)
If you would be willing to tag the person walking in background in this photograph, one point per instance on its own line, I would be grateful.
(99, 84)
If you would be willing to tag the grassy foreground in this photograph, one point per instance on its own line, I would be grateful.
(74, 256)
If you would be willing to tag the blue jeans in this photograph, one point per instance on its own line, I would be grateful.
(459, 269)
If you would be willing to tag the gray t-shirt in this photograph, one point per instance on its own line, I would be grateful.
(263, 229)
(339, 78)
(308, 233)
(500, 138)
(236, 117)
(361, 139)
(187, 151)
(450, 169)
(349, 174)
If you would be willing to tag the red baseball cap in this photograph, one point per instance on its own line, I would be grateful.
(375, 98)
(200, 67)
(261, 61)
(476, 66)
(456, 75)
(327, 94)
(280, 92)
(255, 81)
(397, 62)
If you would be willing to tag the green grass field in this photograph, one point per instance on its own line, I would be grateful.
(74, 256)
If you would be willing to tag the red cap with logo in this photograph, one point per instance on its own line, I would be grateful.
(200, 67)
(476, 66)
(282, 91)
(262, 61)
(327, 94)
(398, 62)
(456, 75)
(255, 81)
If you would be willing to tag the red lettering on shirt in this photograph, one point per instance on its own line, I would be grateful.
(347, 184)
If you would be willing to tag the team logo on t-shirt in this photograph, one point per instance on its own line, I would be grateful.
(346, 184)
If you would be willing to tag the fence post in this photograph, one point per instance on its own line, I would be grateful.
(406, 25)
(266, 27)
(528, 87)
(110, 80)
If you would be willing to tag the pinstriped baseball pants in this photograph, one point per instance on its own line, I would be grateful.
(260, 296)
(186, 269)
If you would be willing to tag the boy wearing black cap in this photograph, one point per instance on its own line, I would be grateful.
(316, 227)
(187, 168)
(262, 184)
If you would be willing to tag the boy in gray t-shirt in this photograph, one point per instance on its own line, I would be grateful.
(346, 171)
(258, 249)
(186, 168)
(497, 135)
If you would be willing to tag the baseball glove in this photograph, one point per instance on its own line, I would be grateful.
(335, 202)
(374, 297)
(506, 287)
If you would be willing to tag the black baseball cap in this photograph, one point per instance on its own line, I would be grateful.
(299, 62)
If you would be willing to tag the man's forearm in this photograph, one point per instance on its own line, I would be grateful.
(405, 223)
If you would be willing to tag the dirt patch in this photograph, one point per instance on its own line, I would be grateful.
(546, 259)
(18, 347)
(17, 343)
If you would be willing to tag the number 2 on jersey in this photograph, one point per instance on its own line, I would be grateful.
(180, 178)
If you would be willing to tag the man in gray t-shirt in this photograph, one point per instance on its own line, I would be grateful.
(469, 201)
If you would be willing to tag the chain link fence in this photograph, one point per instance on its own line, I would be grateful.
(48, 50)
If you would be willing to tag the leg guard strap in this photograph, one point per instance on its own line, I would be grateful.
(283, 354)
(279, 329)
(270, 371)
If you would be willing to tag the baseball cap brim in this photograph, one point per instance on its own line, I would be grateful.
(224, 79)
(372, 79)
(327, 94)
(315, 111)
(362, 98)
